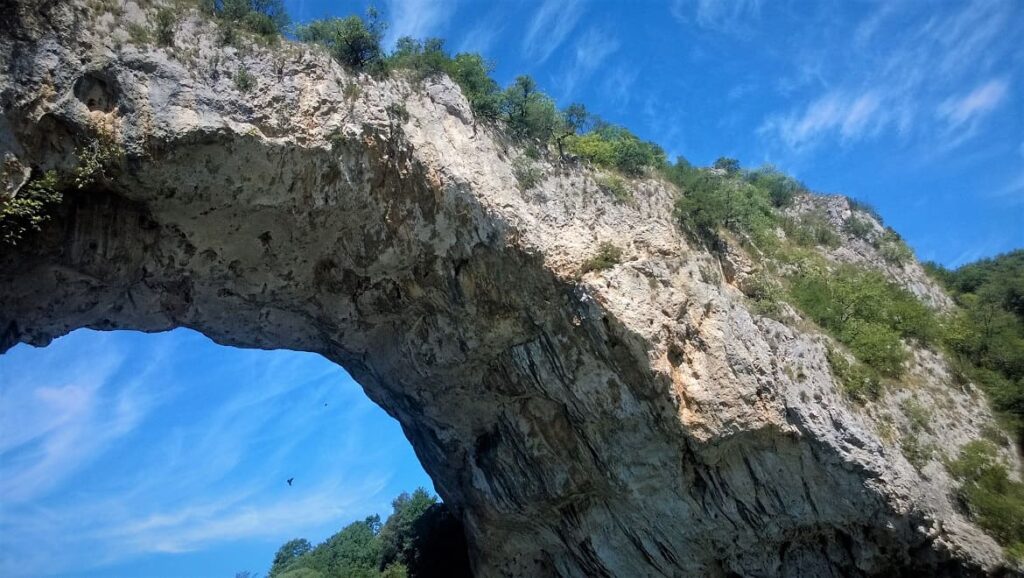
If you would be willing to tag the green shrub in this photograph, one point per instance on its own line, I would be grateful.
(781, 188)
(858, 227)
(397, 112)
(858, 381)
(607, 256)
(472, 73)
(866, 312)
(529, 113)
(876, 345)
(711, 203)
(166, 23)
(244, 80)
(352, 41)
(616, 147)
(526, 173)
(865, 208)
(95, 160)
(27, 211)
(427, 58)
(616, 187)
(765, 293)
(918, 416)
(139, 34)
(811, 230)
(994, 501)
(730, 166)
(917, 452)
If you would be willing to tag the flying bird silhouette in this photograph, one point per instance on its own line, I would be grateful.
(289, 480)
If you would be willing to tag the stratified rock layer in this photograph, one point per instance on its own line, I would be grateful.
(638, 421)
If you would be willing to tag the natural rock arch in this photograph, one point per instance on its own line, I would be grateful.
(637, 422)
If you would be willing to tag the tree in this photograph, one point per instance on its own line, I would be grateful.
(352, 41)
(427, 58)
(781, 188)
(288, 553)
(730, 166)
(396, 536)
(572, 121)
(528, 112)
(473, 74)
(266, 17)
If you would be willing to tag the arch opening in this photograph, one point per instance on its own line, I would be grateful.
(125, 454)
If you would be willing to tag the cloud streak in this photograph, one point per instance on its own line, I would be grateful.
(732, 16)
(551, 24)
(901, 90)
(416, 18)
(589, 52)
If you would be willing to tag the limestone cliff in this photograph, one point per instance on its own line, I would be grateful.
(635, 421)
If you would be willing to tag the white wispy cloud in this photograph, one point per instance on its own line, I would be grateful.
(416, 18)
(618, 84)
(980, 101)
(732, 16)
(848, 116)
(589, 52)
(551, 24)
(868, 91)
(481, 37)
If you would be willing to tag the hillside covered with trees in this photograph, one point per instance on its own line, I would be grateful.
(420, 539)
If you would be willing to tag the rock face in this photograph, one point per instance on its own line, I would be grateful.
(637, 421)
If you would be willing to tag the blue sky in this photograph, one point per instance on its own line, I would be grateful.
(131, 455)
(915, 106)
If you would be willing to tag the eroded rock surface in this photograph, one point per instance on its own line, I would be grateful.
(638, 421)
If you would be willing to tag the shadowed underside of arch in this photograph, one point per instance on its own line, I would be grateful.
(635, 423)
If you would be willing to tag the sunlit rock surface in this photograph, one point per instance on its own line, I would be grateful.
(638, 421)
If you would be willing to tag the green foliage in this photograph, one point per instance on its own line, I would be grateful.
(781, 188)
(95, 160)
(866, 312)
(986, 334)
(244, 80)
(859, 227)
(865, 208)
(397, 538)
(352, 41)
(472, 73)
(166, 23)
(139, 34)
(730, 166)
(571, 122)
(860, 382)
(616, 147)
(994, 501)
(26, 212)
(892, 248)
(711, 202)
(810, 230)
(526, 173)
(420, 538)
(765, 293)
(267, 18)
(607, 256)
(917, 452)
(529, 113)
(427, 58)
(616, 187)
(288, 553)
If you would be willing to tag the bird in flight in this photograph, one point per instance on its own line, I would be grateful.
(290, 480)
